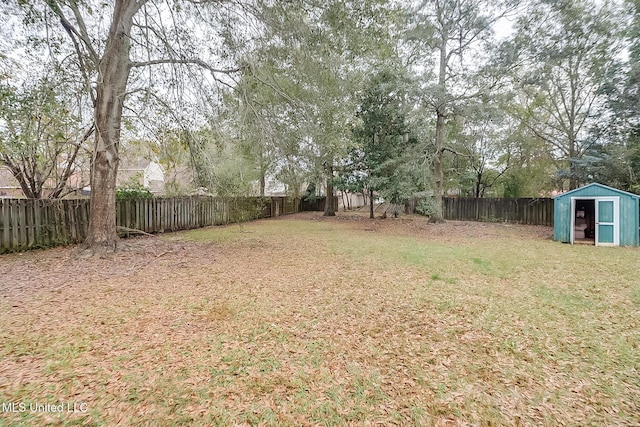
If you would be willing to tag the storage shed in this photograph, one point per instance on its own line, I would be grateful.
(598, 215)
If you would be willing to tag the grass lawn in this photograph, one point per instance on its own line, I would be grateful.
(310, 321)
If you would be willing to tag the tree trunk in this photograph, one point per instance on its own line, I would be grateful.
(438, 172)
(441, 124)
(328, 206)
(113, 70)
(29, 191)
(371, 216)
(262, 183)
(573, 172)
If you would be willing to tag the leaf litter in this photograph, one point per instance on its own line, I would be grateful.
(306, 320)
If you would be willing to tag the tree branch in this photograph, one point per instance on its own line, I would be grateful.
(68, 170)
(457, 153)
(73, 32)
(198, 62)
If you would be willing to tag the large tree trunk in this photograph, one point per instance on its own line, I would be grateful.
(438, 172)
(114, 69)
(441, 124)
(328, 206)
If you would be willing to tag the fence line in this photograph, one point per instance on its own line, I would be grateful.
(317, 203)
(28, 223)
(538, 211)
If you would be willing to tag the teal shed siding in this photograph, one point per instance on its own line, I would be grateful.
(629, 212)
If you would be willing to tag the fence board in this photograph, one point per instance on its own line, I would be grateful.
(4, 221)
(13, 219)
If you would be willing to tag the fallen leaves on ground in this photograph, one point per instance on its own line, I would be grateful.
(307, 320)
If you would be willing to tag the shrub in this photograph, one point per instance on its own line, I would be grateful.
(133, 191)
(426, 207)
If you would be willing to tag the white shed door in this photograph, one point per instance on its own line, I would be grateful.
(607, 222)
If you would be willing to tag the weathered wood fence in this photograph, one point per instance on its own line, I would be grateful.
(531, 211)
(27, 224)
(317, 204)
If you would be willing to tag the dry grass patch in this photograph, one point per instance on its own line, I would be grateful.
(312, 321)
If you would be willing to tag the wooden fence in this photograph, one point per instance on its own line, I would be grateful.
(317, 204)
(27, 224)
(521, 211)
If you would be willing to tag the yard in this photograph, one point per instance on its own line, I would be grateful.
(304, 320)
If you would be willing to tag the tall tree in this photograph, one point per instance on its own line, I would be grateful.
(324, 51)
(613, 155)
(384, 148)
(454, 34)
(264, 119)
(139, 34)
(565, 50)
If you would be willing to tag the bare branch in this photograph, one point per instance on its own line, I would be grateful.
(457, 153)
(68, 169)
(73, 32)
(194, 61)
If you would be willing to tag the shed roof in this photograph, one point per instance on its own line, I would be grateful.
(595, 184)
